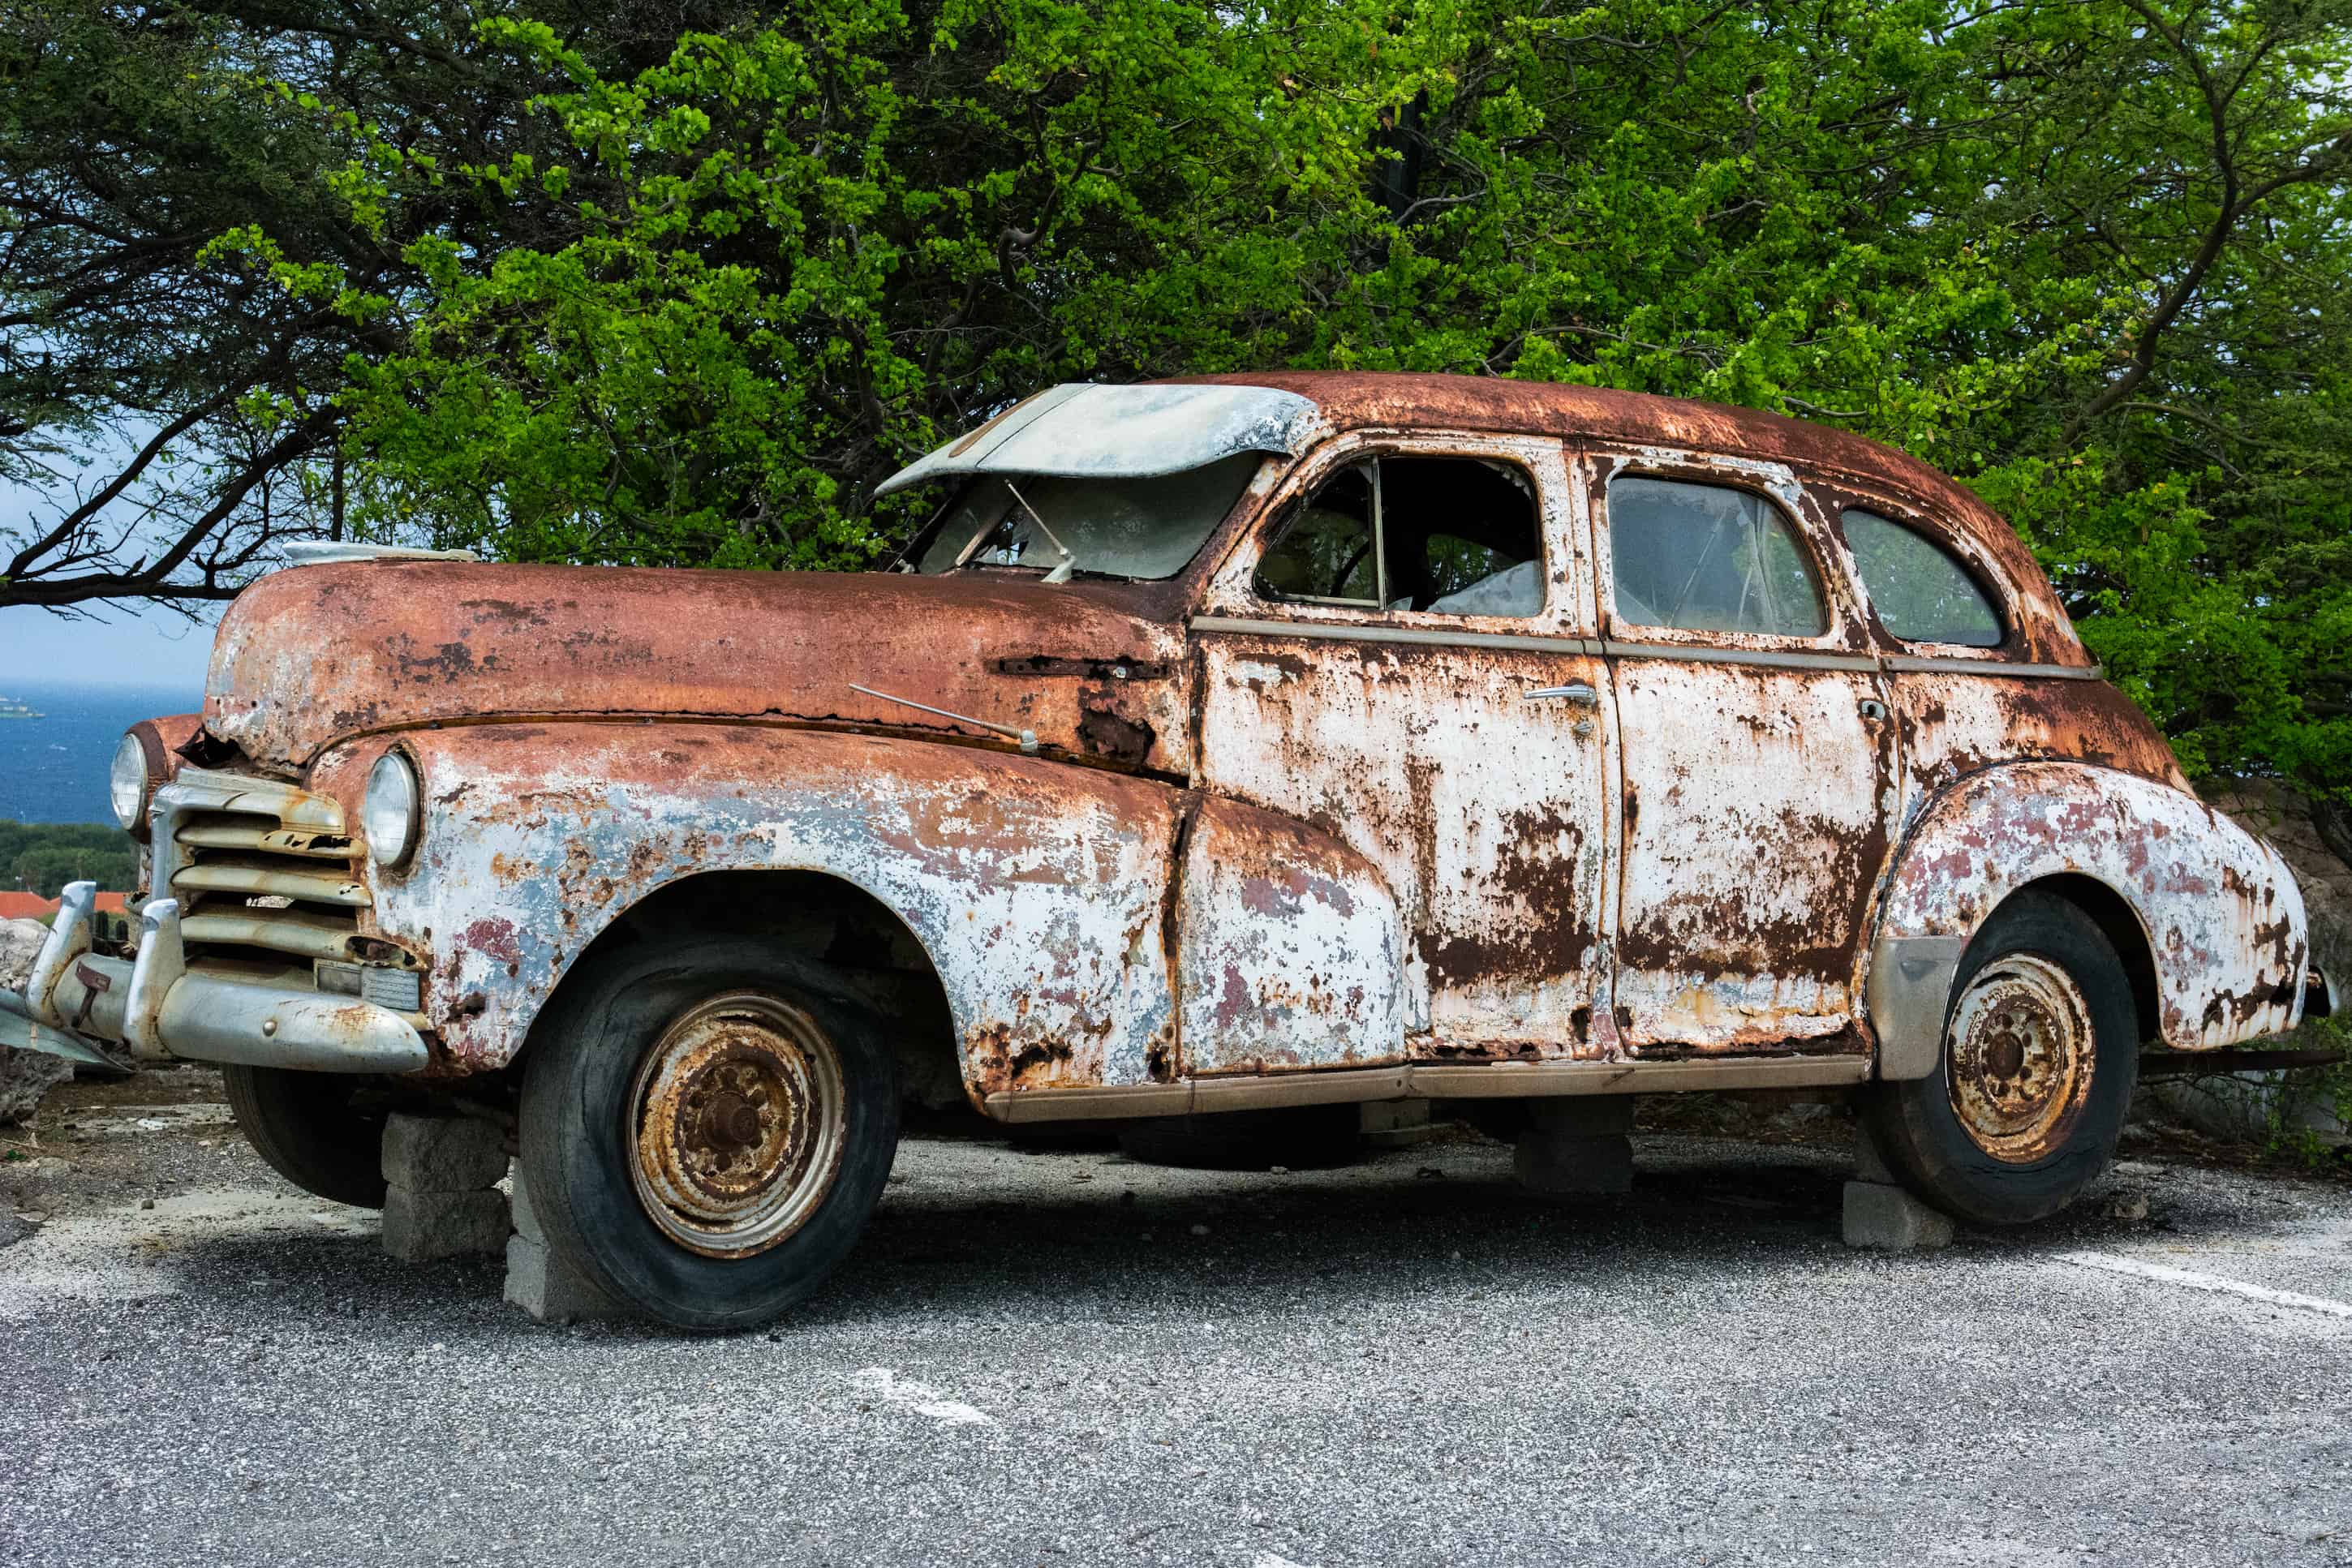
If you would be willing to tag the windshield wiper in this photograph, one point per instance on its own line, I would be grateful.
(1069, 558)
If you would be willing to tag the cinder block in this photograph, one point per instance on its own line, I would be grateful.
(526, 1218)
(1869, 1164)
(422, 1225)
(442, 1154)
(1395, 1123)
(1891, 1219)
(1578, 1146)
(549, 1290)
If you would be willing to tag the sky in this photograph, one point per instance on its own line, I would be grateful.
(119, 646)
(123, 645)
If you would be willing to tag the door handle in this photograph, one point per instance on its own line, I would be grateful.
(1576, 691)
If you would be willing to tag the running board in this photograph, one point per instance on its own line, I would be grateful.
(1500, 1081)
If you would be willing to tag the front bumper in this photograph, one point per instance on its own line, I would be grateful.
(161, 1011)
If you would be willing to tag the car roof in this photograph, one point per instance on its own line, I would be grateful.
(1356, 400)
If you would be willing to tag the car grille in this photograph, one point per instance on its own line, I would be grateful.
(263, 870)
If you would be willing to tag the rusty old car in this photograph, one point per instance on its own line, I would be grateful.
(1265, 742)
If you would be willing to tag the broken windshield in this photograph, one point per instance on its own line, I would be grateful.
(1115, 528)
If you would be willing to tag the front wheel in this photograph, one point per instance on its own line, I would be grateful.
(2040, 1054)
(307, 1126)
(706, 1127)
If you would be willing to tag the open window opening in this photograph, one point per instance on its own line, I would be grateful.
(1451, 536)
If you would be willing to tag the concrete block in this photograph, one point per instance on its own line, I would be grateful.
(1891, 1219)
(1578, 1146)
(526, 1218)
(543, 1285)
(442, 1154)
(422, 1225)
(1869, 1164)
(1395, 1123)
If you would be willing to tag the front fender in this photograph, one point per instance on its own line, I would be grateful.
(2220, 911)
(1036, 889)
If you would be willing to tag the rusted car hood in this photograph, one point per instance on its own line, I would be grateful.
(310, 656)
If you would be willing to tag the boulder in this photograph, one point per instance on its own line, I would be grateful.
(25, 1075)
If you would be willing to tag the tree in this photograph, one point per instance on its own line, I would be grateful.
(173, 409)
(689, 305)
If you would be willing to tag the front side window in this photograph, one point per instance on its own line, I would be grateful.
(1709, 558)
(1450, 535)
(1110, 528)
(1920, 593)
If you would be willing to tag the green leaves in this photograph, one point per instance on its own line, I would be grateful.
(2092, 258)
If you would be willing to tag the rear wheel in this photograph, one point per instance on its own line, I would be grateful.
(705, 1126)
(305, 1125)
(2040, 1054)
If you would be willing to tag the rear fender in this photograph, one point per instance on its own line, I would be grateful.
(2219, 909)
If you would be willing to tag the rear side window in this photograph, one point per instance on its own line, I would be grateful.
(1709, 557)
(1921, 593)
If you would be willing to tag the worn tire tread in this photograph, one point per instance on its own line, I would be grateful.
(1913, 1123)
(584, 1051)
(302, 1126)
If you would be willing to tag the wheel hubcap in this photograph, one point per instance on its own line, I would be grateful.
(2020, 1058)
(738, 1117)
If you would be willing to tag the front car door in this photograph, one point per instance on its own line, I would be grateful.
(1397, 655)
(1760, 767)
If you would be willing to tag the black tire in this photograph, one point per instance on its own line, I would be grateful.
(1923, 1134)
(580, 1129)
(1301, 1138)
(306, 1127)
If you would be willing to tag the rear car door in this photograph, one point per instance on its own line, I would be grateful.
(1398, 656)
(1759, 782)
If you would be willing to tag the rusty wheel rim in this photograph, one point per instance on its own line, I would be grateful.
(2020, 1057)
(737, 1121)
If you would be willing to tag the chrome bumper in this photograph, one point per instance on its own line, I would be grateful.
(162, 1012)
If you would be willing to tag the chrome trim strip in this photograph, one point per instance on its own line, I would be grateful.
(1771, 658)
(1909, 663)
(1617, 648)
(1414, 635)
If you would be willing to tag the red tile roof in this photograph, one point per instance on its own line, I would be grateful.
(33, 906)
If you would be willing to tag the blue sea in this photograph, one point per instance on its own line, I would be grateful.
(53, 769)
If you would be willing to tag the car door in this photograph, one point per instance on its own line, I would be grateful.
(1397, 657)
(1761, 779)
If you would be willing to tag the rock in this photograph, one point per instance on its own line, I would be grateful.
(20, 944)
(26, 1076)
(25, 1079)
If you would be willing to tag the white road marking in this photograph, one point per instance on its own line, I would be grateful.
(886, 1385)
(1268, 1560)
(2192, 1279)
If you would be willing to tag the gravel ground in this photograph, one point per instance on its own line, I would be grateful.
(1064, 1357)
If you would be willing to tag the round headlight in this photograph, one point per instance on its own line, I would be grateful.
(389, 817)
(126, 782)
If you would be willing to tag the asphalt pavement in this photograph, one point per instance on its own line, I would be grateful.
(1047, 1358)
